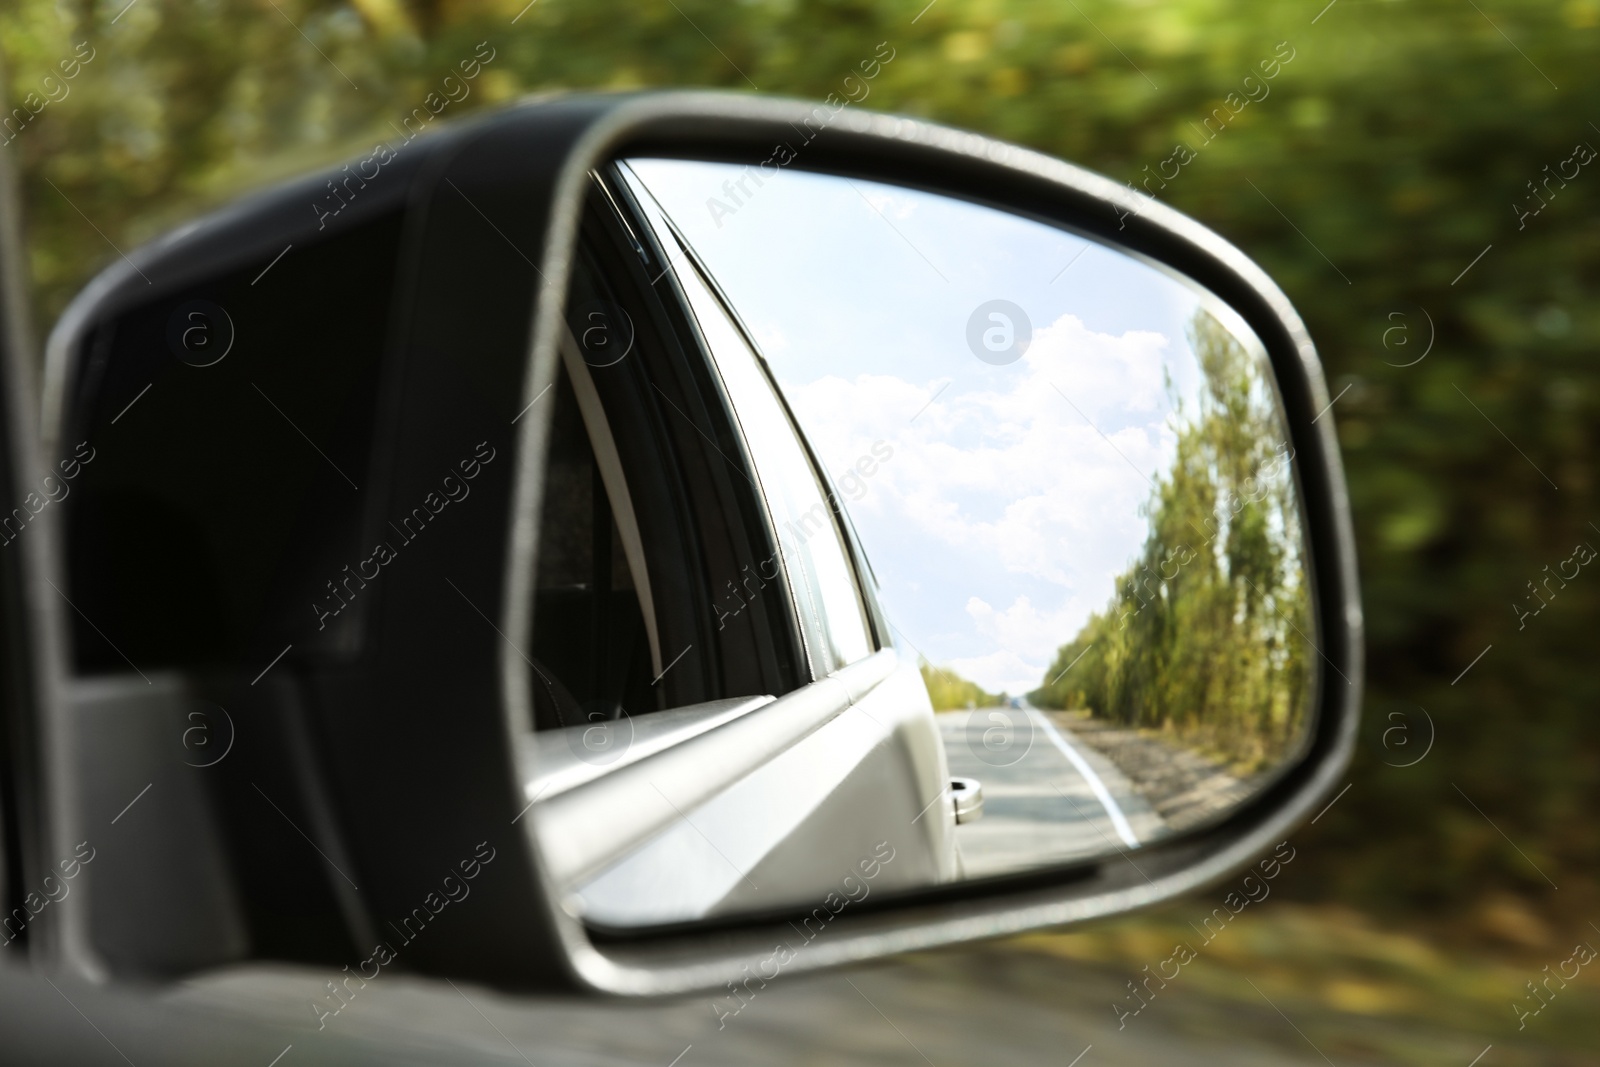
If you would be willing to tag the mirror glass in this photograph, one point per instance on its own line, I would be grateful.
(1069, 475)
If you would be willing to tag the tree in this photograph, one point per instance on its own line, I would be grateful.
(1202, 634)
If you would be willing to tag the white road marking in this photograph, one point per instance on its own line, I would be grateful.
(1101, 793)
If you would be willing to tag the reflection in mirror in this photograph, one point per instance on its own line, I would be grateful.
(1071, 481)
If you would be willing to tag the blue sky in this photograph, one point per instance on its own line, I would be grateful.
(1004, 512)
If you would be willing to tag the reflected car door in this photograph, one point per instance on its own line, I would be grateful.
(846, 768)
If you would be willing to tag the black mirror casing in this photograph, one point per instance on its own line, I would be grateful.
(30, 620)
(424, 686)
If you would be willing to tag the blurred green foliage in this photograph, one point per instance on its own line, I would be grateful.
(1390, 152)
(1202, 637)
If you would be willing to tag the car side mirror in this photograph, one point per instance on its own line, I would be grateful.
(637, 542)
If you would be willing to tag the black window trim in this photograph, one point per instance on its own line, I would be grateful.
(863, 579)
(683, 387)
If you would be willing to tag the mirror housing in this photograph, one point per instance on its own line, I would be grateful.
(409, 775)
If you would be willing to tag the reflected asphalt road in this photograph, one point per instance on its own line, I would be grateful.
(1047, 798)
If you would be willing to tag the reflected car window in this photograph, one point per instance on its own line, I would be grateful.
(1072, 474)
(809, 537)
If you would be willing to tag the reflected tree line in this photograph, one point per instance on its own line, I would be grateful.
(1205, 636)
(948, 691)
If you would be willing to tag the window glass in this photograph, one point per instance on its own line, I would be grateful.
(821, 577)
(808, 530)
(591, 651)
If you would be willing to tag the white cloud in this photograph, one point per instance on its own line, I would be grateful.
(1023, 628)
(1003, 490)
(1016, 474)
(1027, 638)
(997, 672)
